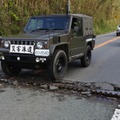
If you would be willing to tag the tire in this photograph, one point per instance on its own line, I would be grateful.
(10, 69)
(58, 65)
(86, 59)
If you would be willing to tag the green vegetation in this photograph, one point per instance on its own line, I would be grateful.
(15, 13)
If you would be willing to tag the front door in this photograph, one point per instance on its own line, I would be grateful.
(77, 42)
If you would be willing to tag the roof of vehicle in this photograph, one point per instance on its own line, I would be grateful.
(75, 15)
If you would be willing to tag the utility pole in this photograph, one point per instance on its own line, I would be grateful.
(68, 7)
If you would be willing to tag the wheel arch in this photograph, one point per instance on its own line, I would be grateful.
(91, 43)
(63, 46)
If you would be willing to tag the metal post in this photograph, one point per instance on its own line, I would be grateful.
(68, 7)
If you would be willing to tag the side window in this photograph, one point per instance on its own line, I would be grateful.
(74, 23)
(80, 24)
(77, 26)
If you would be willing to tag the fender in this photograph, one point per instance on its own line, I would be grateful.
(60, 45)
(91, 42)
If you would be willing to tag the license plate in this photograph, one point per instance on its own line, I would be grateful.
(42, 52)
(25, 49)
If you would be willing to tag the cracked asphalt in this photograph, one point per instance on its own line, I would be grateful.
(18, 103)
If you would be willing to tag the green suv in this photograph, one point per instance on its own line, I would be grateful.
(49, 42)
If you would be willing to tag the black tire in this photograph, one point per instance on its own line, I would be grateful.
(86, 59)
(58, 65)
(10, 69)
(117, 34)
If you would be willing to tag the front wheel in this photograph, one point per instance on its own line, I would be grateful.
(9, 69)
(58, 65)
(86, 59)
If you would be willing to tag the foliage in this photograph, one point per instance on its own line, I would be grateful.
(15, 13)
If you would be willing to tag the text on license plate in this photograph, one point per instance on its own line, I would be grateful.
(42, 52)
(26, 49)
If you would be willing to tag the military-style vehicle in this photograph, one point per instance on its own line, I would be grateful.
(50, 42)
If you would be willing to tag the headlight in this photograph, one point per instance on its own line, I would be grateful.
(39, 45)
(6, 44)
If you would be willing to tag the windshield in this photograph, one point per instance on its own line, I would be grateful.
(48, 23)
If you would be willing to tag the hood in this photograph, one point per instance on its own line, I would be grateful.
(38, 35)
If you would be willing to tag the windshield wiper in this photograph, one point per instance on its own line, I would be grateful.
(39, 29)
(57, 29)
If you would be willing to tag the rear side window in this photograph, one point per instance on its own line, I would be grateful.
(77, 26)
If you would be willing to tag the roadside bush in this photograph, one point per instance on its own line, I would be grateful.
(15, 13)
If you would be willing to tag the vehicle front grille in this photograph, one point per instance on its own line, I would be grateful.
(22, 42)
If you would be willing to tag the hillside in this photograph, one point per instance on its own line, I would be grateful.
(15, 13)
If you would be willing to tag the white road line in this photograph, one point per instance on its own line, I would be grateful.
(116, 115)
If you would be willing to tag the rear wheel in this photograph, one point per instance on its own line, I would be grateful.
(58, 65)
(9, 69)
(86, 59)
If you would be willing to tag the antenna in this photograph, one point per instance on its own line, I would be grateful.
(68, 7)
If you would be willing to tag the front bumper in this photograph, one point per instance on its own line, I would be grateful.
(25, 61)
(23, 58)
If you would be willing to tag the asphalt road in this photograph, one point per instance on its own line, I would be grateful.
(18, 103)
(105, 64)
